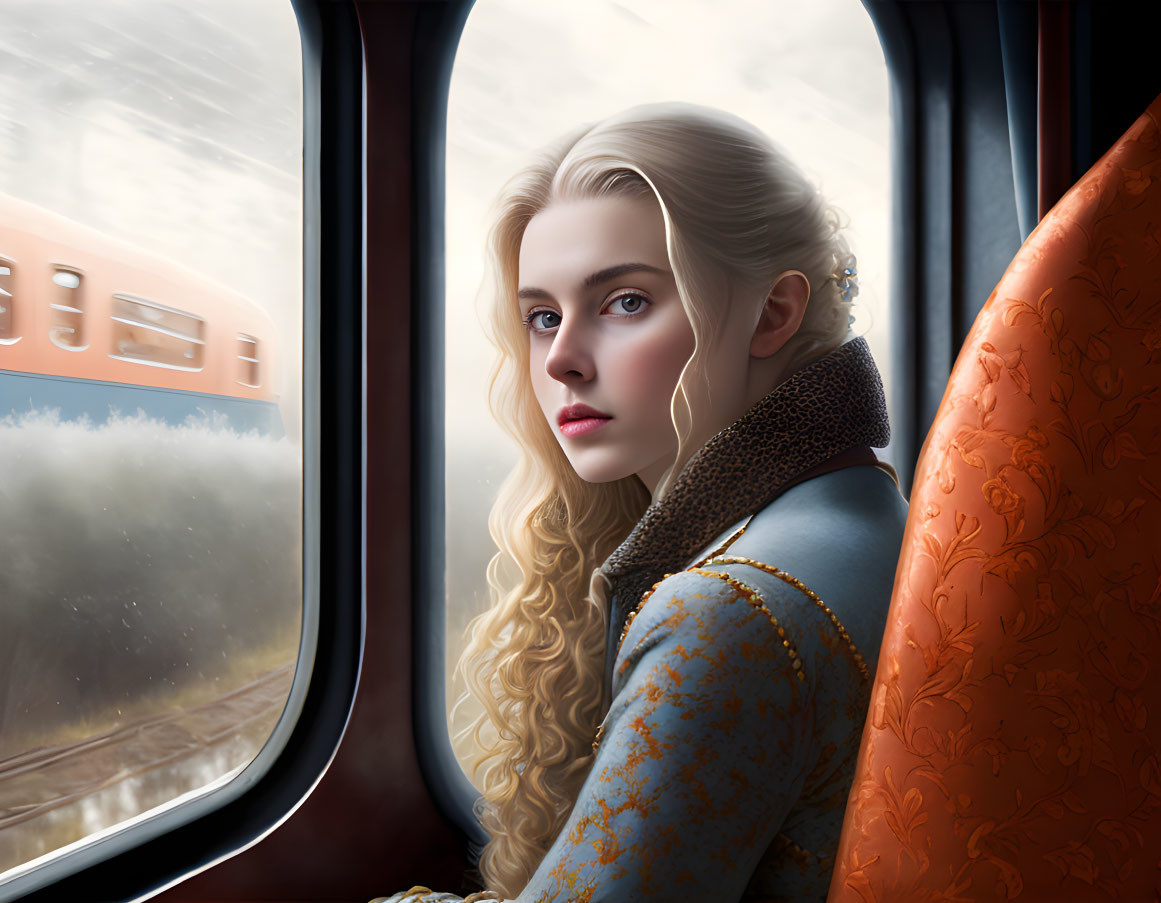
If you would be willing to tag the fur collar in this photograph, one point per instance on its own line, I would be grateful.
(830, 406)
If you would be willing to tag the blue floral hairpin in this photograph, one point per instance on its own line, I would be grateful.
(846, 277)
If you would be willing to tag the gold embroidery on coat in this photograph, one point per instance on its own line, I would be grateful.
(857, 656)
(597, 738)
(750, 594)
(797, 852)
(633, 613)
(754, 597)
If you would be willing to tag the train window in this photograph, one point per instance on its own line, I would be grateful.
(67, 323)
(152, 617)
(151, 333)
(7, 300)
(248, 360)
(812, 76)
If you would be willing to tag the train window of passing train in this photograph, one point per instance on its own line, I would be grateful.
(151, 597)
(7, 301)
(150, 333)
(248, 360)
(67, 323)
(812, 76)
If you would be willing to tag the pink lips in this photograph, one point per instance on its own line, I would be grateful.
(580, 420)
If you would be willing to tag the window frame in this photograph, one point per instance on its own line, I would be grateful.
(454, 794)
(953, 188)
(955, 219)
(161, 850)
(979, 153)
(120, 317)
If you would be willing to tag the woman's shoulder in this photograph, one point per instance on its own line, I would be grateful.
(822, 555)
(839, 535)
(711, 613)
(690, 600)
(855, 511)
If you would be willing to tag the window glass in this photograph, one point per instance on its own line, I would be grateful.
(66, 321)
(150, 487)
(811, 75)
(248, 360)
(151, 333)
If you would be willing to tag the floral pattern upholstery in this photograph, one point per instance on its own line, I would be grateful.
(1013, 746)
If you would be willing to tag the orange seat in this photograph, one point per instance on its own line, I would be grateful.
(1013, 747)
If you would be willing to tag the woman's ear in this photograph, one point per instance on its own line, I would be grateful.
(781, 314)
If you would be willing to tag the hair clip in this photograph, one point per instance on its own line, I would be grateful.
(846, 277)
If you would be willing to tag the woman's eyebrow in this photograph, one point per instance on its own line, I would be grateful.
(595, 279)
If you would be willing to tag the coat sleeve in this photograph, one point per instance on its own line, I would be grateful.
(703, 752)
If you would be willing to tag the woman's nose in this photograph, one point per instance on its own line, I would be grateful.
(570, 358)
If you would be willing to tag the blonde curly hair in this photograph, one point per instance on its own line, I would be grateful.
(737, 212)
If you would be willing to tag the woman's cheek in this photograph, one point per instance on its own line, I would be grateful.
(652, 366)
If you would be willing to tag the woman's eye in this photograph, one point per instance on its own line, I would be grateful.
(541, 320)
(624, 305)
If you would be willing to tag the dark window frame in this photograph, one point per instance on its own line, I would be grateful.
(453, 792)
(449, 786)
(954, 219)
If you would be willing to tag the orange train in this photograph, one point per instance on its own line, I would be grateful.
(89, 326)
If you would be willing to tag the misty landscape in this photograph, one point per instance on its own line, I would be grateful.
(140, 558)
(150, 571)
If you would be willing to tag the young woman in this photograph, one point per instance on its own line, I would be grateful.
(696, 548)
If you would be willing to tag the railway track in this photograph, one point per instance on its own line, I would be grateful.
(43, 782)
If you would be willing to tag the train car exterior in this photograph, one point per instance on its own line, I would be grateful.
(90, 326)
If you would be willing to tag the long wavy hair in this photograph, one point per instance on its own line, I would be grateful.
(737, 213)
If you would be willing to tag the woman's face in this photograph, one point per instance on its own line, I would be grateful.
(607, 334)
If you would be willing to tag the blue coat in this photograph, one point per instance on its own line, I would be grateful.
(740, 692)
